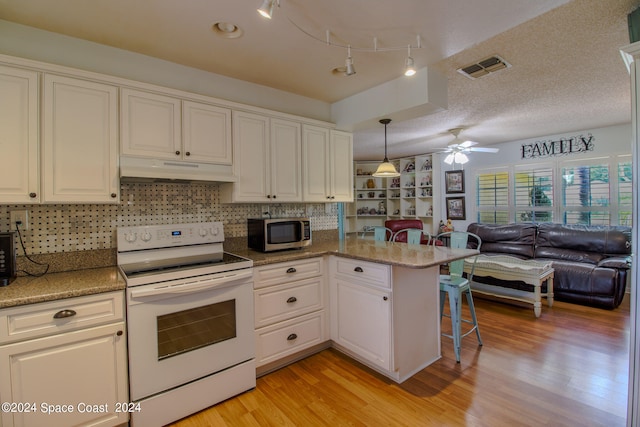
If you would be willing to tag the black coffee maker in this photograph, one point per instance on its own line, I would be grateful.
(7, 258)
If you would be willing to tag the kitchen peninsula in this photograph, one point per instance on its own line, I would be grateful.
(382, 305)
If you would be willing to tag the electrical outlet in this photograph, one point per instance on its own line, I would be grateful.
(21, 216)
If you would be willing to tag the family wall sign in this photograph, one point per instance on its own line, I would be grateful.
(560, 147)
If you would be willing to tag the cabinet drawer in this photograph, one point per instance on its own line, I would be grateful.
(286, 338)
(285, 272)
(36, 320)
(278, 303)
(364, 272)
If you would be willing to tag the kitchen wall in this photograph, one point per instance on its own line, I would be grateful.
(69, 228)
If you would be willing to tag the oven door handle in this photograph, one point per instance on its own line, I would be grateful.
(195, 286)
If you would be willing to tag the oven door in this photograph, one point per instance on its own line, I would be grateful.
(183, 330)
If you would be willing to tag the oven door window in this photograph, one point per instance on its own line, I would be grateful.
(195, 328)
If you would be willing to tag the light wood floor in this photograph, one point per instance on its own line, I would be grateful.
(567, 368)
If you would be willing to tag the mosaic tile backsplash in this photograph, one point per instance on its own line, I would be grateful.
(68, 228)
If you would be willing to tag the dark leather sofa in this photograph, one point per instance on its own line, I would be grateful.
(592, 263)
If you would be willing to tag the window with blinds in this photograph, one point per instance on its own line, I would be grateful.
(533, 195)
(586, 194)
(625, 194)
(493, 197)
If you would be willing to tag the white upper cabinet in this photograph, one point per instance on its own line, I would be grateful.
(266, 160)
(150, 125)
(80, 141)
(19, 174)
(164, 127)
(327, 165)
(206, 133)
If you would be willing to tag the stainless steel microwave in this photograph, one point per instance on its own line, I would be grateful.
(274, 234)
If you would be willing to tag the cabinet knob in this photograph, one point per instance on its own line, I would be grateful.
(268, 196)
(385, 298)
(32, 195)
(358, 270)
(274, 196)
(119, 333)
(292, 337)
(114, 195)
(188, 153)
(291, 270)
(291, 300)
(177, 153)
(63, 314)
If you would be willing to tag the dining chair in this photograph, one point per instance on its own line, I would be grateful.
(413, 236)
(455, 284)
(381, 233)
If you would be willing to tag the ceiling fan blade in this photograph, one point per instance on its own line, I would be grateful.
(483, 149)
(467, 144)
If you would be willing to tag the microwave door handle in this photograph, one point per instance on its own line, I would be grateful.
(227, 280)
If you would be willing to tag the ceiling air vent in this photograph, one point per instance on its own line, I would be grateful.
(484, 67)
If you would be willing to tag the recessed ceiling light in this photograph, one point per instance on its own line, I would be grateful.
(227, 30)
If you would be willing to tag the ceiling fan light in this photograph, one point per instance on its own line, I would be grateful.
(449, 159)
(461, 158)
(266, 9)
(386, 169)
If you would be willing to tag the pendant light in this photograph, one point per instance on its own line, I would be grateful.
(386, 169)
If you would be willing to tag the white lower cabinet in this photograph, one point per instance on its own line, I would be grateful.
(64, 363)
(387, 317)
(290, 317)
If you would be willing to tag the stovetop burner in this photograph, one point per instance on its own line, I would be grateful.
(149, 268)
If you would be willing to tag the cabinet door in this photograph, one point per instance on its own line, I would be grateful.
(363, 322)
(80, 143)
(251, 157)
(286, 158)
(341, 166)
(85, 367)
(19, 174)
(316, 164)
(150, 125)
(207, 133)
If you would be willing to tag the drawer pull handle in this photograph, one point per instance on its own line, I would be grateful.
(292, 337)
(358, 270)
(63, 314)
(291, 270)
(291, 300)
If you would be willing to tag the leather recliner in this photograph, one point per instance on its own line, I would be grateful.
(591, 263)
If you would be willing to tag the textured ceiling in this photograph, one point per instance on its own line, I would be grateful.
(566, 72)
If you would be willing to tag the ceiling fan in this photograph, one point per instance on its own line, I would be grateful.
(457, 148)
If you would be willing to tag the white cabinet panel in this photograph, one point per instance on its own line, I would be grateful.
(150, 125)
(207, 133)
(19, 175)
(286, 168)
(80, 141)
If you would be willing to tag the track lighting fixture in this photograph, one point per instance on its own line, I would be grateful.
(349, 68)
(386, 169)
(266, 9)
(409, 68)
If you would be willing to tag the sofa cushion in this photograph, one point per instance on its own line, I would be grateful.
(510, 239)
(580, 243)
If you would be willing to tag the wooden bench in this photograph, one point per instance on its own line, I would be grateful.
(509, 268)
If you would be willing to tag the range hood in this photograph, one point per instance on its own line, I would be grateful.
(147, 169)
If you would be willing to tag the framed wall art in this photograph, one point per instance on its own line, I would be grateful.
(456, 208)
(454, 181)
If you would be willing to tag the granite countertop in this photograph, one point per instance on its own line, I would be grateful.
(390, 253)
(61, 285)
(55, 286)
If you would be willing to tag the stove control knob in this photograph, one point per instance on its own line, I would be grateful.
(202, 232)
(146, 236)
(130, 237)
(215, 230)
